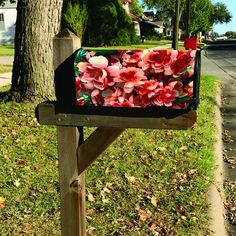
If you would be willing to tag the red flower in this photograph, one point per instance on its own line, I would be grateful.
(183, 61)
(131, 57)
(165, 95)
(130, 77)
(157, 60)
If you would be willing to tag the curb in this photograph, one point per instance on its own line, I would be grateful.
(216, 196)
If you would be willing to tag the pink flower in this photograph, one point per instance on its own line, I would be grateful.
(165, 95)
(96, 74)
(130, 77)
(131, 57)
(118, 98)
(158, 60)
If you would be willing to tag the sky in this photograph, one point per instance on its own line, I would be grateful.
(231, 26)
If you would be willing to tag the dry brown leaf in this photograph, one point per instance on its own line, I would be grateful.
(144, 214)
(153, 228)
(130, 179)
(90, 212)
(105, 200)
(154, 201)
(106, 190)
(184, 148)
(91, 198)
(20, 163)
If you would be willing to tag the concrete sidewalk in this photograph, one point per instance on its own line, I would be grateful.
(5, 79)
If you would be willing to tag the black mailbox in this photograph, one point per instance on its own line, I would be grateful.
(135, 83)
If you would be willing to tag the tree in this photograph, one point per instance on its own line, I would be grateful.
(230, 34)
(203, 13)
(220, 14)
(36, 25)
(135, 8)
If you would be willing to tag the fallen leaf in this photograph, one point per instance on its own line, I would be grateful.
(17, 183)
(130, 179)
(106, 190)
(154, 201)
(91, 198)
(153, 228)
(144, 215)
(2, 200)
(20, 162)
(105, 200)
(2, 205)
(184, 148)
(90, 212)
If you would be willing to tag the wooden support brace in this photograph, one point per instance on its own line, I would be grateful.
(95, 144)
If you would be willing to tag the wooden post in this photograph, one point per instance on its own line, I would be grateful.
(72, 186)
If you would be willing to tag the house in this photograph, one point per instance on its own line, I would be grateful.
(7, 22)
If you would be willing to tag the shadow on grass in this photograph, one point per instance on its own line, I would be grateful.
(5, 94)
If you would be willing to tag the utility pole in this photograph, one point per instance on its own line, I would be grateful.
(176, 26)
(187, 19)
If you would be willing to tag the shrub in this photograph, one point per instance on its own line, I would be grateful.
(75, 16)
(108, 24)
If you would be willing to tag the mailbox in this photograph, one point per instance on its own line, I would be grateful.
(191, 43)
(136, 83)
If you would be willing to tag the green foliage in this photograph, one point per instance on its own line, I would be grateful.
(108, 24)
(230, 34)
(221, 14)
(135, 8)
(203, 13)
(155, 36)
(200, 15)
(75, 17)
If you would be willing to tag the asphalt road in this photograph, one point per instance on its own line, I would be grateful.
(224, 56)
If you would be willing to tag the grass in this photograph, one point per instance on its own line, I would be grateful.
(148, 182)
(146, 44)
(5, 68)
(6, 50)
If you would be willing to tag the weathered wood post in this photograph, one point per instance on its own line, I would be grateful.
(72, 186)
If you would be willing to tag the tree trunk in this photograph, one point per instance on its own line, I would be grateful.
(36, 25)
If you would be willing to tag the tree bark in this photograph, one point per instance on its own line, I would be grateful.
(36, 25)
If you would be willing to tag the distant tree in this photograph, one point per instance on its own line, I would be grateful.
(201, 12)
(230, 34)
(220, 14)
(36, 25)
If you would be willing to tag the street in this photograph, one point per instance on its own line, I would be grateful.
(224, 56)
(223, 53)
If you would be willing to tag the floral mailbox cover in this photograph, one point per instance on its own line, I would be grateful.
(136, 78)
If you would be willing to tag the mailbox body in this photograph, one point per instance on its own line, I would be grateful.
(149, 83)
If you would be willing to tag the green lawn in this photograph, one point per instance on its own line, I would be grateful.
(147, 182)
(5, 68)
(6, 50)
(146, 44)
